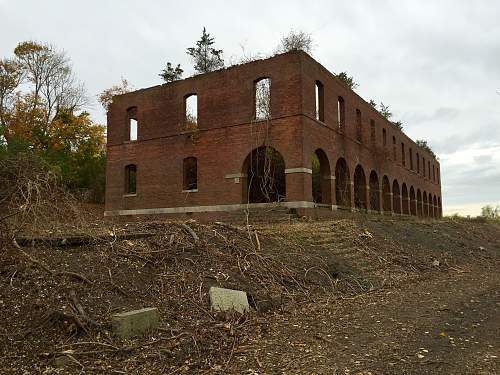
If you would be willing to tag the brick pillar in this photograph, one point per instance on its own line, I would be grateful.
(406, 204)
(380, 199)
(351, 187)
(333, 193)
(414, 203)
(367, 197)
(298, 186)
(391, 208)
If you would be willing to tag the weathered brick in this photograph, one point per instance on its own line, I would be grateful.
(227, 135)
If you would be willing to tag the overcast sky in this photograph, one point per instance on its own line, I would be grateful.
(436, 63)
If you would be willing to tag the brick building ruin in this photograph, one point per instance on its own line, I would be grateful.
(280, 132)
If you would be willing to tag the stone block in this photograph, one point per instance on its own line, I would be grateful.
(135, 322)
(228, 299)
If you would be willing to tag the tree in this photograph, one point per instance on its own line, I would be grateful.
(11, 75)
(347, 80)
(296, 41)
(398, 124)
(424, 145)
(205, 57)
(384, 111)
(490, 212)
(53, 83)
(171, 74)
(106, 97)
(41, 115)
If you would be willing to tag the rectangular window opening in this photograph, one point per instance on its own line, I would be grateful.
(190, 173)
(263, 99)
(191, 114)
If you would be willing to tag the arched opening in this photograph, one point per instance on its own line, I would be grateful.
(425, 206)
(341, 113)
(191, 111)
(431, 208)
(190, 173)
(405, 200)
(418, 163)
(342, 183)
(265, 176)
(386, 190)
(440, 207)
(413, 202)
(374, 192)
(321, 178)
(396, 198)
(262, 98)
(131, 179)
(320, 101)
(420, 211)
(132, 124)
(359, 188)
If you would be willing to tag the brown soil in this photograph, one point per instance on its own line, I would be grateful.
(351, 296)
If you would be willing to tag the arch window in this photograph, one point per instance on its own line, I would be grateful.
(190, 173)
(359, 130)
(342, 183)
(320, 101)
(132, 124)
(321, 178)
(264, 170)
(374, 192)
(131, 179)
(262, 101)
(191, 111)
(341, 113)
(359, 188)
(372, 132)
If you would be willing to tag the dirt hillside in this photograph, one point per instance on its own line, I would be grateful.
(352, 296)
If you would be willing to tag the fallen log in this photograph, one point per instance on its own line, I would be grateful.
(70, 241)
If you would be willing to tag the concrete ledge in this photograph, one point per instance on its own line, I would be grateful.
(298, 170)
(215, 208)
(235, 175)
(135, 322)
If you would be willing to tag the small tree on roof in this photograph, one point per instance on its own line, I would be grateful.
(205, 57)
(347, 80)
(171, 74)
(296, 41)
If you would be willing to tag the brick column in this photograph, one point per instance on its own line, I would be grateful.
(381, 199)
(391, 208)
(351, 187)
(333, 193)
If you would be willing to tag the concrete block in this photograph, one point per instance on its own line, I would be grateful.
(135, 322)
(227, 299)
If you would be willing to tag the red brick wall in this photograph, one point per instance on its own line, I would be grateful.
(226, 135)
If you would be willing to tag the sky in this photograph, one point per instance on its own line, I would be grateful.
(436, 63)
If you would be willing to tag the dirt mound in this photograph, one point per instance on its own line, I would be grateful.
(303, 271)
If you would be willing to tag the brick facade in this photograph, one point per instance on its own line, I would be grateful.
(227, 133)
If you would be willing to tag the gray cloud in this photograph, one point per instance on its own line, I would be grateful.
(434, 63)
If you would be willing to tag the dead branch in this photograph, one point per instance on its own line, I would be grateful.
(191, 232)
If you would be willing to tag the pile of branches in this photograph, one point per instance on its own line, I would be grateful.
(32, 198)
